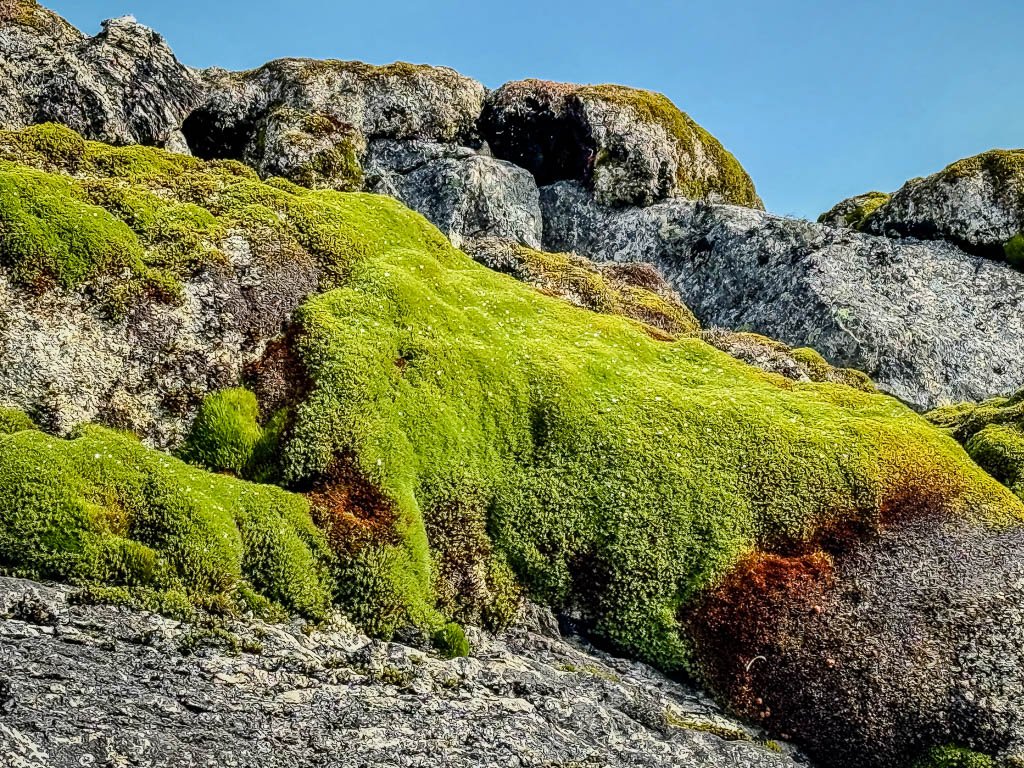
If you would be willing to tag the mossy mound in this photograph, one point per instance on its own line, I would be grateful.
(460, 436)
(992, 432)
(103, 509)
(614, 473)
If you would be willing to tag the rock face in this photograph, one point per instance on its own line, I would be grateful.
(927, 322)
(977, 203)
(63, 361)
(139, 687)
(123, 86)
(631, 147)
(461, 192)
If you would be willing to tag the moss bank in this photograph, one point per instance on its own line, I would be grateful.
(102, 509)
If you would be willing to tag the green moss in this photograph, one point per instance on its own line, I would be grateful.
(819, 369)
(730, 180)
(450, 641)
(102, 509)
(608, 472)
(618, 474)
(225, 433)
(688, 723)
(49, 234)
(12, 421)
(1014, 250)
(992, 433)
(953, 757)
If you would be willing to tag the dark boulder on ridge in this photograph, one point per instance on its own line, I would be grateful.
(630, 146)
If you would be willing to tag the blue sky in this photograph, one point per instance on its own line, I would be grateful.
(818, 99)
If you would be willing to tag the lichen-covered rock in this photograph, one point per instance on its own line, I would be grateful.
(123, 86)
(803, 364)
(630, 146)
(853, 212)
(138, 687)
(927, 322)
(397, 101)
(976, 203)
(314, 150)
(462, 193)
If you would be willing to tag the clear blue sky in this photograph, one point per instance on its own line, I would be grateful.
(819, 99)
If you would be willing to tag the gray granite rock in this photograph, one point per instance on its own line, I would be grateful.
(463, 193)
(123, 86)
(927, 322)
(65, 362)
(104, 685)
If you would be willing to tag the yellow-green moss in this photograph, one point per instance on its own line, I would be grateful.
(1013, 250)
(12, 421)
(614, 473)
(618, 474)
(954, 757)
(858, 210)
(102, 509)
(450, 641)
(729, 179)
(225, 432)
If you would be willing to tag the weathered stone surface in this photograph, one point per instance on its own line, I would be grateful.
(977, 203)
(105, 684)
(314, 150)
(630, 146)
(64, 362)
(464, 194)
(397, 101)
(927, 322)
(123, 86)
(866, 657)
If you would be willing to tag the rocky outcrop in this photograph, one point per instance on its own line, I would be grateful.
(461, 192)
(976, 203)
(927, 322)
(123, 86)
(631, 147)
(143, 688)
(66, 362)
(397, 101)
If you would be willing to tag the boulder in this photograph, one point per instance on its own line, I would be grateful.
(123, 86)
(927, 322)
(976, 203)
(397, 101)
(464, 194)
(631, 147)
(310, 149)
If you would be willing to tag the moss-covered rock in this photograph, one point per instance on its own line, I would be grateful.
(631, 290)
(976, 203)
(459, 438)
(992, 432)
(853, 212)
(954, 757)
(631, 146)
